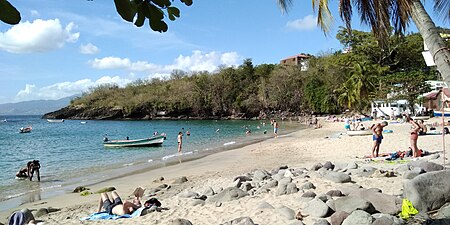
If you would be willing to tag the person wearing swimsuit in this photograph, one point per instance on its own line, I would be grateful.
(377, 130)
(414, 135)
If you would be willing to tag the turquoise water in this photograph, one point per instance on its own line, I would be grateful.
(72, 152)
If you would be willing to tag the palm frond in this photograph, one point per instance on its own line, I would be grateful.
(442, 8)
(284, 5)
(324, 17)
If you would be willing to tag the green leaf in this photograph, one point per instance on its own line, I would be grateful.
(162, 3)
(173, 12)
(155, 12)
(140, 19)
(158, 25)
(125, 9)
(8, 13)
(187, 2)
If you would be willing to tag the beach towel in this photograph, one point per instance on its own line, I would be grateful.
(107, 216)
(408, 209)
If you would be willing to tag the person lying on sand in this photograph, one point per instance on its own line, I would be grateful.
(115, 205)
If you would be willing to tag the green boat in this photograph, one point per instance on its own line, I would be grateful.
(152, 141)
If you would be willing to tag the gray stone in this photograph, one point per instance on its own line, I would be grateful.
(297, 222)
(328, 165)
(365, 171)
(435, 156)
(348, 188)
(180, 180)
(309, 194)
(323, 197)
(316, 166)
(308, 185)
(291, 188)
(288, 173)
(41, 212)
(350, 203)
(381, 202)
(270, 184)
(285, 181)
(351, 166)
(240, 221)
(426, 166)
(229, 194)
(428, 191)
(358, 217)
(209, 191)
(286, 212)
(338, 217)
(444, 212)
(386, 219)
(246, 186)
(410, 174)
(330, 203)
(188, 194)
(242, 178)
(260, 175)
(278, 177)
(281, 190)
(338, 177)
(265, 205)
(321, 222)
(199, 202)
(334, 193)
(181, 222)
(401, 169)
(316, 208)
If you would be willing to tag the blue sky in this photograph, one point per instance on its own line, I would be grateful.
(62, 48)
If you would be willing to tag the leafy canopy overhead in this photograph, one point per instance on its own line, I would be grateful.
(133, 11)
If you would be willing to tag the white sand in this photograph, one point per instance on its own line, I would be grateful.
(298, 149)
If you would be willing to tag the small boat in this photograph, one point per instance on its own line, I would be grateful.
(83, 122)
(55, 120)
(439, 113)
(359, 132)
(152, 141)
(4, 121)
(25, 129)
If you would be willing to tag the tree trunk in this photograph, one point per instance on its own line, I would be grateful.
(432, 39)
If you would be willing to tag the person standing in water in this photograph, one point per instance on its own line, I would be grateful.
(377, 130)
(180, 141)
(275, 128)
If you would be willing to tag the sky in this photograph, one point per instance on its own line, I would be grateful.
(63, 48)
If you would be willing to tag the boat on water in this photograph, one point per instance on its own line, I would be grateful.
(55, 120)
(152, 141)
(359, 132)
(25, 129)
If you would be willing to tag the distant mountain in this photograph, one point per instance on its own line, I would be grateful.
(35, 107)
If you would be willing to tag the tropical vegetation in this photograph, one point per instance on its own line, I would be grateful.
(334, 82)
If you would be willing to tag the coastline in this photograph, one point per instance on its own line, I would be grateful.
(301, 148)
(121, 170)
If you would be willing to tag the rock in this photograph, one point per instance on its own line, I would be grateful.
(180, 180)
(444, 212)
(291, 188)
(309, 194)
(80, 189)
(401, 169)
(188, 194)
(209, 191)
(351, 166)
(299, 216)
(358, 217)
(381, 218)
(181, 222)
(346, 189)
(240, 221)
(308, 185)
(265, 205)
(322, 222)
(350, 203)
(381, 202)
(199, 202)
(328, 165)
(435, 156)
(260, 175)
(246, 186)
(288, 173)
(270, 184)
(365, 171)
(85, 193)
(297, 223)
(330, 203)
(163, 186)
(428, 191)
(285, 181)
(337, 177)
(316, 167)
(410, 174)
(338, 217)
(106, 189)
(218, 204)
(323, 197)
(242, 178)
(426, 166)
(158, 179)
(334, 193)
(229, 194)
(316, 208)
(40, 212)
(286, 212)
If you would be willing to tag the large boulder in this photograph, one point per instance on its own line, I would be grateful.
(382, 202)
(286, 212)
(338, 217)
(351, 203)
(338, 177)
(428, 191)
(228, 194)
(425, 165)
(358, 217)
(316, 208)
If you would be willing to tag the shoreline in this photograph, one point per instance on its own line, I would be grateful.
(300, 148)
(124, 170)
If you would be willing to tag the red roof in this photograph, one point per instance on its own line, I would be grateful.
(297, 56)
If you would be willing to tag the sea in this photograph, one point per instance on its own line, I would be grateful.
(71, 153)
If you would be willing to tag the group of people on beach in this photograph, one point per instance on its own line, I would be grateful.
(417, 128)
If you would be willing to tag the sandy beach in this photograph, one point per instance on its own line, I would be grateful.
(297, 150)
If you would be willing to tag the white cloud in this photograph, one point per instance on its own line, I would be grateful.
(89, 49)
(35, 13)
(37, 36)
(309, 22)
(198, 61)
(65, 89)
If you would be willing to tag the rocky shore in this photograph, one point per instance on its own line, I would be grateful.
(315, 177)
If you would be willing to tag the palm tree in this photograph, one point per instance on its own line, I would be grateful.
(380, 13)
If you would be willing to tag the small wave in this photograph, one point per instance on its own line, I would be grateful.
(229, 143)
(150, 160)
(128, 164)
(51, 187)
(168, 157)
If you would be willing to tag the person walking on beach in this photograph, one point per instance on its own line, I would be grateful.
(377, 130)
(116, 206)
(414, 135)
(275, 128)
(180, 141)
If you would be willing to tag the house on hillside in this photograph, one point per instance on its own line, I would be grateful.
(300, 60)
(433, 100)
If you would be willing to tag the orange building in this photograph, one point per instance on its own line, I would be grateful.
(300, 60)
